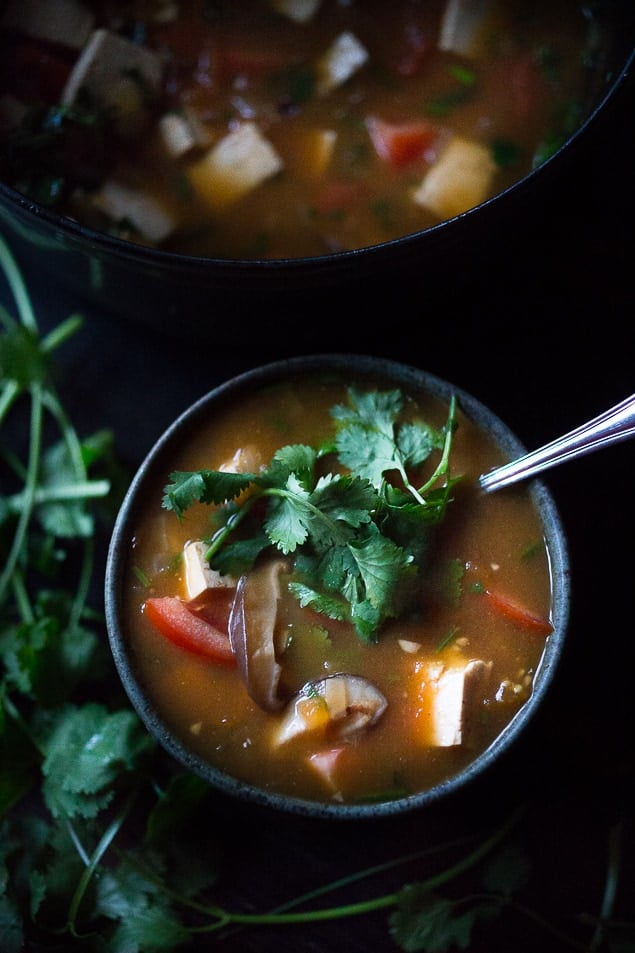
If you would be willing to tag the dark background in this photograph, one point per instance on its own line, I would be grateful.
(538, 324)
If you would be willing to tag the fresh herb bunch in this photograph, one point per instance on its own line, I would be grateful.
(359, 539)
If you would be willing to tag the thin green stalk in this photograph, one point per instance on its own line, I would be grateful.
(343, 911)
(105, 841)
(61, 333)
(32, 476)
(18, 287)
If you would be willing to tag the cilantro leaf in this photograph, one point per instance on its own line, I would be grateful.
(383, 567)
(87, 749)
(289, 516)
(428, 923)
(204, 486)
(349, 532)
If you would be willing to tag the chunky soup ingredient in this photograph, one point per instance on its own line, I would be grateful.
(320, 601)
(258, 129)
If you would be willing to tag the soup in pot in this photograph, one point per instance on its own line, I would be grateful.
(253, 129)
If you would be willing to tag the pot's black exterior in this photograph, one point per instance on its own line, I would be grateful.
(175, 294)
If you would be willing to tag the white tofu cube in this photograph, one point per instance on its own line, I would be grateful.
(116, 73)
(299, 10)
(460, 179)
(199, 577)
(241, 161)
(180, 134)
(453, 698)
(68, 22)
(121, 203)
(344, 57)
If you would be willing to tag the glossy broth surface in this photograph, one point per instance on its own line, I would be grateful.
(492, 542)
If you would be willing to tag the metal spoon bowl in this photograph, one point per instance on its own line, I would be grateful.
(612, 426)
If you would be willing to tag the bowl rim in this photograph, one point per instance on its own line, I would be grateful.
(407, 377)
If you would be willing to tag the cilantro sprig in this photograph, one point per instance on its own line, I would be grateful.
(359, 533)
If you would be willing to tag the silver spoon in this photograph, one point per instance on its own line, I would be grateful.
(612, 426)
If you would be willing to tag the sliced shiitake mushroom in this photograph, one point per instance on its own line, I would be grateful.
(340, 706)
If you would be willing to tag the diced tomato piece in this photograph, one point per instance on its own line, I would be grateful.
(400, 143)
(518, 613)
(171, 617)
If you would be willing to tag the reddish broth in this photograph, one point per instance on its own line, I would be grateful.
(486, 542)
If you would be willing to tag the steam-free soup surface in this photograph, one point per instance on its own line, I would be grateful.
(279, 128)
(484, 598)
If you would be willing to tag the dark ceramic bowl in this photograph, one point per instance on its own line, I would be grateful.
(157, 464)
(178, 294)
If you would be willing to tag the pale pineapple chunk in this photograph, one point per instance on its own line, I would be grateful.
(466, 26)
(342, 59)
(299, 10)
(312, 152)
(460, 179)
(241, 161)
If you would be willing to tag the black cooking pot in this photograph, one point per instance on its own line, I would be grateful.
(201, 296)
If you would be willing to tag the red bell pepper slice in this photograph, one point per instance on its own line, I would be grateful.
(400, 143)
(518, 613)
(172, 618)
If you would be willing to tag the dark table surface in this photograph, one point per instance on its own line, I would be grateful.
(543, 334)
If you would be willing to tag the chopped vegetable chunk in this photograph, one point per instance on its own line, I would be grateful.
(460, 179)
(240, 162)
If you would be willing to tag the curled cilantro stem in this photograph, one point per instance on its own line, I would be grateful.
(444, 462)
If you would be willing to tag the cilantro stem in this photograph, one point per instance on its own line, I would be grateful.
(10, 391)
(61, 333)
(18, 287)
(87, 489)
(236, 518)
(104, 843)
(443, 464)
(30, 488)
(342, 911)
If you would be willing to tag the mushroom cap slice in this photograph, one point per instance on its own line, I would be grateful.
(340, 707)
(252, 622)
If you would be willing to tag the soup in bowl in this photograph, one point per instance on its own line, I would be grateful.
(313, 605)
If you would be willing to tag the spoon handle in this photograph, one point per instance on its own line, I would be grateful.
(612, 426)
